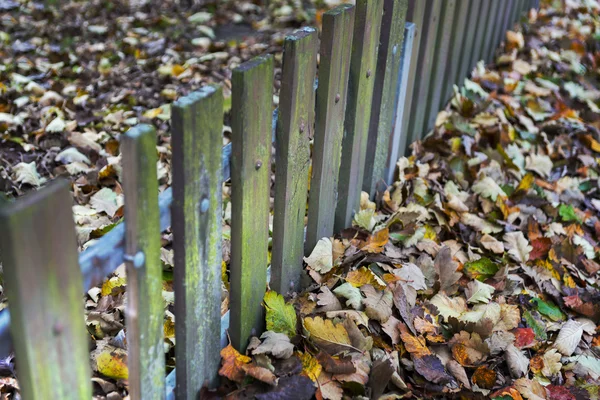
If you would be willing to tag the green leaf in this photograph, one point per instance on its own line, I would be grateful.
(567, 213)
(538, 327)
(281, 317)
(548, 309)
(481, 269)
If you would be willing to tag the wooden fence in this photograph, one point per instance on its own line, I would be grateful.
(380, 85)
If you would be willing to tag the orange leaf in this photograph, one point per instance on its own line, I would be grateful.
(376, 241)
(484, 377)
(232, 364)
(416, 346)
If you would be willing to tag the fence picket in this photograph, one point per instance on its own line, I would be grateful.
(252, 100)
(334, 69)
(398, 140)
(488, 44)
(292, 162)
(505, 21)
(498, 21)
(385, 93)
(145, 309)
(459, 33)
(363, 64)
(466, 53)
(441, 63)
(425, 65)
(197, 139)
(44, 287)
(417, 14)
(482, 22)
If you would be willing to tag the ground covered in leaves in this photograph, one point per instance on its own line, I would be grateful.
(476, 274)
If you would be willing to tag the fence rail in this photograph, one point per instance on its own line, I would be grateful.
(382, 82)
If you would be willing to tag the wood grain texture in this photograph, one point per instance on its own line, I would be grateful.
(467, 51)
(398, 141)
(510, 4)
(145, 309)
(482, 20)
(459, 31)
(44, 286)
(334, 68)
(427, 51)
(384, 94)
(498, 27)
(441, 62)
(417, 14)
(292, 157)
(252, 100)
(488, 46)
(363, 64)
(197, 139)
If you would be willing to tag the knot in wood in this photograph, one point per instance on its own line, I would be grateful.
(258, 165)
(337, 98)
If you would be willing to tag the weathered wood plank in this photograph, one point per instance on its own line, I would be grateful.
(482, 20)
(510, 4)
(197, 139)
(417, 14)
(467, 51)
(365, 45)
(498, 28)
(43, 285)
(459, 33)
(292, 162)
(334, 68)
(425, 65)
(398, 141)
(384, 94)
(441, 62)
(252, 100)
(145, 309)
(487, 46)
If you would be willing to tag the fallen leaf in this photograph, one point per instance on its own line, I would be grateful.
(280, 317)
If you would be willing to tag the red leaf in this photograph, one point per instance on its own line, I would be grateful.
(525, 337)
(559, 393)
(541, 247)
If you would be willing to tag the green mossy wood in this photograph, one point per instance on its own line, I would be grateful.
(363, 65)
(145, 309)
(294, 131)
(459, 29)
(385, 93)
(467, 48)
(197, 139)
(441, 63)
(423, 77)
(252, 100)
(334, 68)
(43, 284)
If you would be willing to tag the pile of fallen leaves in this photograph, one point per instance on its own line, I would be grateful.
(476, 274)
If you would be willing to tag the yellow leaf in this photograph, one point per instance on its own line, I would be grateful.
(232, 363)
(331, 338)
(110, 284)
(113, 363)
(169, 328)
(310, 366)
(526, 183)
(153, 113)
(364, 276)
